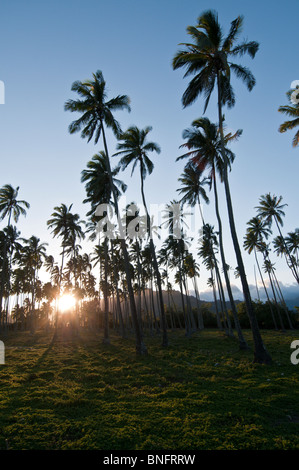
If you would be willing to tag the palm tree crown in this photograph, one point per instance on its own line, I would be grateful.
(208, 58)
(292, 111)
(95, 108)
(9, 205)
(135, 149)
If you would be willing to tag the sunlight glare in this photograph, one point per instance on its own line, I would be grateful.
(66, 302)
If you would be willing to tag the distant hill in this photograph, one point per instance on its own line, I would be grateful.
(175, 298)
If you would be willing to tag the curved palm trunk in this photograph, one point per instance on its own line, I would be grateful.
(121, 321)
(222, 299)
(140, 346)
(156, 270)
(242, 343)
(276, 303)
(4, 262)
(268, 298)
(261, 354)
(199, 312)
(106, 339)
(220, 326)
(257, 290)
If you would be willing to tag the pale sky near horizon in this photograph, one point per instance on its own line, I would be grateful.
(46, 46)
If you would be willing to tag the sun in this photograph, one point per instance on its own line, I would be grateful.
(66, 302)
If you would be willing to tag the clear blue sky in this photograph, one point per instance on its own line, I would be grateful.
(46, 46)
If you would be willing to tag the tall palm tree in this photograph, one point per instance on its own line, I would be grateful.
(204, 145)
(292, 242)
(256, 232)
(96, 111)
(292, 111)
(67, 226)
(269, 209)
(31, 258)
(10, 247)
(10, 207)
(207, 251)
(134, 148)
(98, 190)
(209, 59)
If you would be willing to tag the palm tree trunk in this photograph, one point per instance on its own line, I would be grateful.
(156, 269)
(276, 303)
(261, 355)
(106, 339)
(220, 326)
(242, 343)
(270, 304)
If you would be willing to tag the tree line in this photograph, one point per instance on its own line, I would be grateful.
(133, 273)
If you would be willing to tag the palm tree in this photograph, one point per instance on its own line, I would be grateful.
(10, 207)
(67, 226)
(204, 145)
(97, 111)
(256, 232)
(292, 242)
(10, 247)
(192, 186)
(31, 258)
(207, 251)
(98, 189)
(134, 149)
(292, 111)
(270, 208)
(209, 59)
(97, 182)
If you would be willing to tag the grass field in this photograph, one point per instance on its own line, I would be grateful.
(73, 392)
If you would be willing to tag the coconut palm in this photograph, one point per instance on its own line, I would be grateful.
(269, 209)
(192, 186)
(207, 251)
(98, 190)
(292, 242)
(204, 145)
(67, 226)
(31, 258)
(258, 231)
(10, 207)
(134, 149)
(96, 111)
(209, 59)
(292, 111)
(97, 182)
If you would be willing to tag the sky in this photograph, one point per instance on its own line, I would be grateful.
(46, 45)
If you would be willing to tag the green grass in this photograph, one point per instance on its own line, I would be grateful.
(200, 393)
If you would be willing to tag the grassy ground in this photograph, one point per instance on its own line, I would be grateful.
(200, 393)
